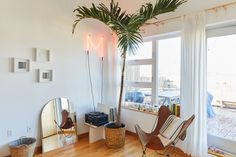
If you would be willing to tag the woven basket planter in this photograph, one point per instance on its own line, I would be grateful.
(23, 147)
(115, 137)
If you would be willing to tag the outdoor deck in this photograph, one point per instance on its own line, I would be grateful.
(223, 124)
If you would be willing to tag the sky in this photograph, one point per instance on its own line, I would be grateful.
(221, 56)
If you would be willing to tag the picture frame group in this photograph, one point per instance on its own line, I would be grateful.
(19, 65)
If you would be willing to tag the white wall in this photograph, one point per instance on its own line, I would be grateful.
(28, 24)
(144, 120)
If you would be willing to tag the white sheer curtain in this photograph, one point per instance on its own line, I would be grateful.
(112, 73)
(193, 83)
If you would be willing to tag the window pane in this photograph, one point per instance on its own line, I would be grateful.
(220, 69)
(136, 95)
(169, 70)
(139, 73)
(144, 52)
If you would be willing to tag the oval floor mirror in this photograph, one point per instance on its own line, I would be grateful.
(58, 121)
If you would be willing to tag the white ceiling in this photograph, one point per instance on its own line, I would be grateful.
(67, 6)
(55, 10)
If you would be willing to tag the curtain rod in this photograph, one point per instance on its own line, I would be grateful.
(207, 10)
(221, 6)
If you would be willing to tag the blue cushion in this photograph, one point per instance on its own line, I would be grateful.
(210, 111)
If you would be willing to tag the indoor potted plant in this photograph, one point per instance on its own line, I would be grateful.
(127, 28)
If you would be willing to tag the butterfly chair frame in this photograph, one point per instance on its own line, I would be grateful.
(152, 141)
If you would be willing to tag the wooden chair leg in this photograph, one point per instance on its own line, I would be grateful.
(167, 153)
(144, 152)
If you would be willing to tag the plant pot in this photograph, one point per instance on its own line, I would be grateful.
(115, 136)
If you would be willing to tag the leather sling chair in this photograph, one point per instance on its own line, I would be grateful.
(67, 122)
(155, 140)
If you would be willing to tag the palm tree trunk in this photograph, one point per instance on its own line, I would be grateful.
(118, 123)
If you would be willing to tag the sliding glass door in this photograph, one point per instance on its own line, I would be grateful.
(221, 71)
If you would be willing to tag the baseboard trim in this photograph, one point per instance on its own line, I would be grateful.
(38, 150)
(131, 133)
(84, 135)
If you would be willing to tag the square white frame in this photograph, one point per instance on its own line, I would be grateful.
(42, 55)
(20, 65)
(45, 75)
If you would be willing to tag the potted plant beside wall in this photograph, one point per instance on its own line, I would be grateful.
(127, 28)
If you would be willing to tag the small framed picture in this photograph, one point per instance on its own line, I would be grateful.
(45, 75)
(42, 55)
(20, 65)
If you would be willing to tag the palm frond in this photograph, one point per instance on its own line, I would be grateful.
(101, 13)
(126, 26)
(150, 11)
(93, 12)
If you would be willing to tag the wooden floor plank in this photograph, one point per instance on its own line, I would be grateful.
(132, 148)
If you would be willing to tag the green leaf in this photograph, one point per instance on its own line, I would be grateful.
(126, 26)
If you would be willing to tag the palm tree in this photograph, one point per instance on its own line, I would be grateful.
(125, 26)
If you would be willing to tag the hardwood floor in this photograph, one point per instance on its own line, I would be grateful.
(132, 148)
